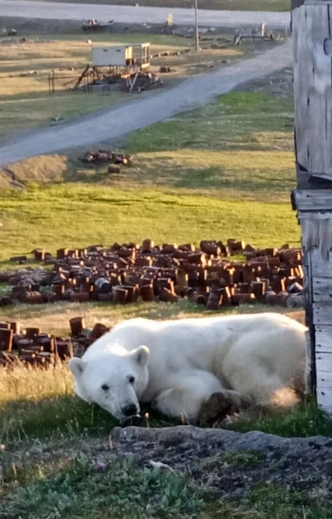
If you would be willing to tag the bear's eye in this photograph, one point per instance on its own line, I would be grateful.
(105, 387)
(131, 380)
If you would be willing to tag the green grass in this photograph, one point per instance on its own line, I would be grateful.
(236, 121)
(223, 171)
(271, 501)
(118, 490)
(304, 420)
(55, 458)
(229, 149)
(205, 174)
(39, 108)
(74, 215)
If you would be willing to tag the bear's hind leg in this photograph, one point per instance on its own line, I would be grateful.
(187, 394)
(266, 389)
(196, 393)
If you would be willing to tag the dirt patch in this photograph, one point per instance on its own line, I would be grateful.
(39, 169)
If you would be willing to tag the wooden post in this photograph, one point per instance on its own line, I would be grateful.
(196, 27)
(312, 44)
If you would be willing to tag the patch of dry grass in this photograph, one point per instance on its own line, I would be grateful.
(25, 102)
(24, 89)
(55, 318)
(34, 384)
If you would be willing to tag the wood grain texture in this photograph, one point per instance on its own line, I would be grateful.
(313, 199)
(311, 26)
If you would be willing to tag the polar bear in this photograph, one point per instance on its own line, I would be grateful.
(178, 365)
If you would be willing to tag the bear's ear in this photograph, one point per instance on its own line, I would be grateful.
(141, 355)
(76, 366)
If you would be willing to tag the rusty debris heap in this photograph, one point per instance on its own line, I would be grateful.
(32, 347)
(207, 275)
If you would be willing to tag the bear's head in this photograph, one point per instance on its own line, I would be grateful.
(115, 380)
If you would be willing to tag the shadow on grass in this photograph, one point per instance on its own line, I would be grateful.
(65, 414)
(304, 420)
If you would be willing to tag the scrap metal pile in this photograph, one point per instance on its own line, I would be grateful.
(141, 81)
(127, 82)
(104, 156)
(93, 25)
(32, 347)
(130, 272)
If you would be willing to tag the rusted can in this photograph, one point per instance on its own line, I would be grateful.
(77, 324)
(6, 339)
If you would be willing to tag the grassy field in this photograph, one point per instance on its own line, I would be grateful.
(56, 459)
(204, 174)
(93, 214)
(232, 5)
(24, 90)
(223, 171)
(25, 102)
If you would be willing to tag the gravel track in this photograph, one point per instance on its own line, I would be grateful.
(109, 125)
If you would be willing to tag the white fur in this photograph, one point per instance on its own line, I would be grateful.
(259, 356)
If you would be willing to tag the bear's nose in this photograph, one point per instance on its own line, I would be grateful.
(129, 410)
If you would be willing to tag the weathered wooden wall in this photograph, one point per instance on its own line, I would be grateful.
(311, 30)
(312, 43)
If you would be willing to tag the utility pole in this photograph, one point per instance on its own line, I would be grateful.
(196, 26)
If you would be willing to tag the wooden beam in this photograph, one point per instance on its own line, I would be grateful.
(324, 362)
(324, 399)
(314, 215)
(298, 3)
(317, 2)
(312, 87)
(322, 292)
(323, 340)
(313, 200)
(324, 380)
(322, 314)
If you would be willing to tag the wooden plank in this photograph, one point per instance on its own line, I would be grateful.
(322, 314)
(322, 290)
(310, 375)
(323, 339)
(324, 380)
(320, 105)
(300, 71)
(324, 400)
(315, 215)
(319, 266)
(313, 2)
(313, 199)
(312, 88)
(323, 362)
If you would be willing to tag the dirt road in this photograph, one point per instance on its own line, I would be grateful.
(131, 14)
(114, 123)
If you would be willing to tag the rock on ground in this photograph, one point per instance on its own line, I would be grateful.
(230, 462)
